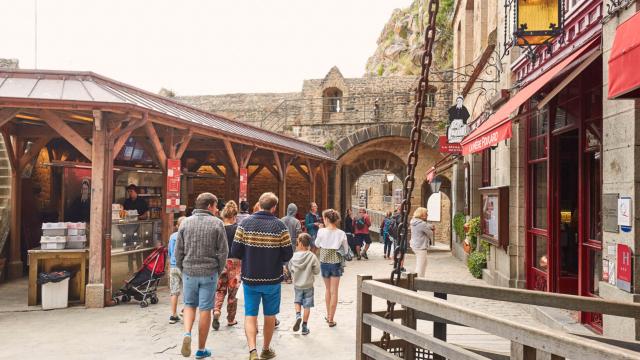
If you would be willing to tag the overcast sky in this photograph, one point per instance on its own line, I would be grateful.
(197, 47)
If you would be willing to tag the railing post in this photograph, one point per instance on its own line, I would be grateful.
(522, 352)
(440, 329)
(363, 331)
(409, 320)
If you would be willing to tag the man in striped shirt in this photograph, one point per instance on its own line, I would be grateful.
(263, 244)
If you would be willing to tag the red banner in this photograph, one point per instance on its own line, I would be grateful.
(491, 138)
(243, 184)
(449, 148)
(173, 185)
(624, 267)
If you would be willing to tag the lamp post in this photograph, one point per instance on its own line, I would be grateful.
(435, 184)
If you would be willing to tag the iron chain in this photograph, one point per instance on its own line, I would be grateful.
(412, 160)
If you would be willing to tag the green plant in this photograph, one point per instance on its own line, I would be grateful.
(329, 145)
(476, 262)
(473, 231)
(458, 225)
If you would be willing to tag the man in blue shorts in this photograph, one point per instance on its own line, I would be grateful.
(263, 244)
(201, 254)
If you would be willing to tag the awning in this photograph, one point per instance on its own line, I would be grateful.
(498, 127)
(624, 77)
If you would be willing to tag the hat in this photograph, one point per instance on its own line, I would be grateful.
(132, 187)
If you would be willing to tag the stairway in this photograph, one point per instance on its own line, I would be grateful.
(5, 194)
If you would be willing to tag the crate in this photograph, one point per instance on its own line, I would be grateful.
(53, 242)
(55, 295)
(54, 229)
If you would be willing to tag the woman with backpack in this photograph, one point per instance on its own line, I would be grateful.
(361, 225)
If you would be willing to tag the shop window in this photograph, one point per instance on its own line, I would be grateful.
(486, 167)
(332, 100)
(541, 256)
(540, 190)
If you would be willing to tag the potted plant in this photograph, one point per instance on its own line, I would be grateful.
(458, 226)
(472, 230)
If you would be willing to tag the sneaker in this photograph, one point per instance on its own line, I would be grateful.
(173, 319)
(364, 255)
(267, 354)
(201, 354)
(277, 323)
(359, 258)
(305, 329)
(186, 346)
(215, 324)
(254, 355)
(296, 326)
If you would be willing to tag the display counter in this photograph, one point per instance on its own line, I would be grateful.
(131, 242)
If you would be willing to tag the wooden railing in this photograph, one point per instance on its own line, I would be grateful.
(527, 342)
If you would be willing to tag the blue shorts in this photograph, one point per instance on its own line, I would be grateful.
(268, 294)
(330, 270)
(199, 291)
(304, 297)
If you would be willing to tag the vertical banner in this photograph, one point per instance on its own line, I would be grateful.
(243, 184)
(624, 267)
(173, 185)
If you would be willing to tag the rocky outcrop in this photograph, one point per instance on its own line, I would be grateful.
(9, 64)
(401, 42)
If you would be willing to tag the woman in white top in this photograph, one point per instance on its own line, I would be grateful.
(329, 240)
(421, 239)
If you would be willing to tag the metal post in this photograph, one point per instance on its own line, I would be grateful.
(440, 329)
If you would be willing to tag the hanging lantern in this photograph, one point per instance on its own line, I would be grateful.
(538, 21)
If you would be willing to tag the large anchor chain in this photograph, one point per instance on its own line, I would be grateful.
(412, 160)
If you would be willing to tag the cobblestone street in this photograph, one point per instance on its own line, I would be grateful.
(127, 331)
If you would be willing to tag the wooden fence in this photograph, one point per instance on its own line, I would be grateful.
(527, 342)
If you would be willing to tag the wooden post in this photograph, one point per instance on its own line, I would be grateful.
(95, 286)
(282, 196)
(409, 319)
(364, 306)
(325, 186)
(14, 150)
(440, 329)
(522, 352)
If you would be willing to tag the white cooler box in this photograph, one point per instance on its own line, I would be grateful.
(53, 242)
(55, 295)
(76, 241)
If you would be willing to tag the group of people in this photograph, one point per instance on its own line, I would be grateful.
(213, 252)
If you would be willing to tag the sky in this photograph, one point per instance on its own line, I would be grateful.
(196, 46)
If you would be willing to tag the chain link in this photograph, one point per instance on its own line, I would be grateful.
(412, 161)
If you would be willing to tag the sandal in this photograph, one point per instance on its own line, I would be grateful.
(235, 322)
(331, 323)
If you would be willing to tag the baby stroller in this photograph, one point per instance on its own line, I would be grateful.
(144, 283)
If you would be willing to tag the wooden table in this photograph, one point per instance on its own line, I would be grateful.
(74, 260)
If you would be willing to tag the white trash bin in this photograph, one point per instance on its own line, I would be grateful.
(55, 295)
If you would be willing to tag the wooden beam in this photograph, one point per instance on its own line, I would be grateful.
(60, 126)
(131, 126)
(301, 171)
(245, 157)
(279, 166)
(311, 171)
(273, 171)
(10, 153)
(232, 156)
(156, 144)
(119, 144)
(169, 144)
(255, 173)
(7, 115)
(184, 143)
(33, 152)
(217, 169)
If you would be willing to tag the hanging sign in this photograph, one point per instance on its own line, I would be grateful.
(243, 184)
(625, 214)
(447, 147)
(624, 262)
(458, 116)
(173, 186)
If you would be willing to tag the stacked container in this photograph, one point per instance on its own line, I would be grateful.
(58, 236)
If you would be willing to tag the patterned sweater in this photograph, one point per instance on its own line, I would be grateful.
(263, 244)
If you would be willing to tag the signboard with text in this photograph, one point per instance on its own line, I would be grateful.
(173, 186)
(624, 262)
(243, 184)
(447, 147)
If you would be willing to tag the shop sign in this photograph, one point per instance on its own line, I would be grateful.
(610, 212)
(362, 198)
(458, 116)
(449, 148)
(243, 184)
(625, 215)
(492, 138)
(605, 270)
(624, 262)
(173, 186)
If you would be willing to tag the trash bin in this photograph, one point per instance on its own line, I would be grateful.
(55, 289)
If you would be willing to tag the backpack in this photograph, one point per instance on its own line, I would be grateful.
(360, 223)
(393, 227)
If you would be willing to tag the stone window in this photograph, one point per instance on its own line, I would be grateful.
(332, 100)
(430, 97)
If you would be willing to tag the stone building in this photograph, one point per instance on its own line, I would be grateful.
(365, 122)
(546, 135)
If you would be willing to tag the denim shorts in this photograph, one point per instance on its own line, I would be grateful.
(269, 295)
(304, 297)
(363, 239)
(330, 270)
(199, 291)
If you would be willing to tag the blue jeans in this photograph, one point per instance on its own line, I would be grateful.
(330, 270)
(199, 291)
(269, 295)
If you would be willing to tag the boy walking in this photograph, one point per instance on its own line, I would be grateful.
(304, 265)
(175, 276)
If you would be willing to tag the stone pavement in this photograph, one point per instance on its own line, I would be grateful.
(128, 331)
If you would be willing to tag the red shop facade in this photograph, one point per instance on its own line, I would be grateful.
(563, 173)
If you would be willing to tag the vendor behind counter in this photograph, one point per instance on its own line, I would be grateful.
(134, 202)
